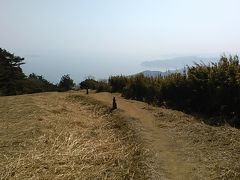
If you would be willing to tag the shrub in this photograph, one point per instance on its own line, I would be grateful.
(66, 83)
(212, 90)
(103, 86)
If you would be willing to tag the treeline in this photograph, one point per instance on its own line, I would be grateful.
(13, 81)
(99, 86)
(208, 89)
(212, 90)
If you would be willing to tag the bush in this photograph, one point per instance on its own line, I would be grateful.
(66, 83)
(212, 90)
(89, 83)
(103, 86)
(13, 81)
(35, 84)
(118, 83)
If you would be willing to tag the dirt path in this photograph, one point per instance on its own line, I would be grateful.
(81, 140)
(171, 166)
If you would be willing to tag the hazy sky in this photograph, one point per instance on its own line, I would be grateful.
(103, 37)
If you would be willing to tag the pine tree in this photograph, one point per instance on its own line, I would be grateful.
(11, 74)
(66, 83)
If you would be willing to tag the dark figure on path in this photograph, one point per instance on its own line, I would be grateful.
(114, 104)
(87, 91)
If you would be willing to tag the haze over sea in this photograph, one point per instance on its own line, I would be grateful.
(109, 37)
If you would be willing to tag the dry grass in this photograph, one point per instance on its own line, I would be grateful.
(62, 136)
(216, 150)
(71, 136)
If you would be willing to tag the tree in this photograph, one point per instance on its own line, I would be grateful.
(66, 83)
(11, 74)
(89, 83)
(103, 86)
(35, 83)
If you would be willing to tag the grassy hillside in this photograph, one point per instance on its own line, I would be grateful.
(184, 146)
(64, 136)
(71, 135)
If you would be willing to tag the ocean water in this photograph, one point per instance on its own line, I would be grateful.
(53, 67)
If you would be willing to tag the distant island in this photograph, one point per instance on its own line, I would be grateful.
(177, 62)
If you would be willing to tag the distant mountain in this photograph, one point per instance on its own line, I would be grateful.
(177, 62)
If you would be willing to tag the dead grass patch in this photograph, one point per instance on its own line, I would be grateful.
(49, 136)
(216, 149)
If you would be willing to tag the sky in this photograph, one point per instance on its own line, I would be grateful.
(108, 37)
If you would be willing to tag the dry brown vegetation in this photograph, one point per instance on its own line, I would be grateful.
(76, 136)
(65, 136)
(185, 147)
(215, 150)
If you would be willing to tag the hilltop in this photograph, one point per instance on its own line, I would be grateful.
(71, 135)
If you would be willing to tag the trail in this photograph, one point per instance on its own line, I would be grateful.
(171, 166)
(183, 146)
